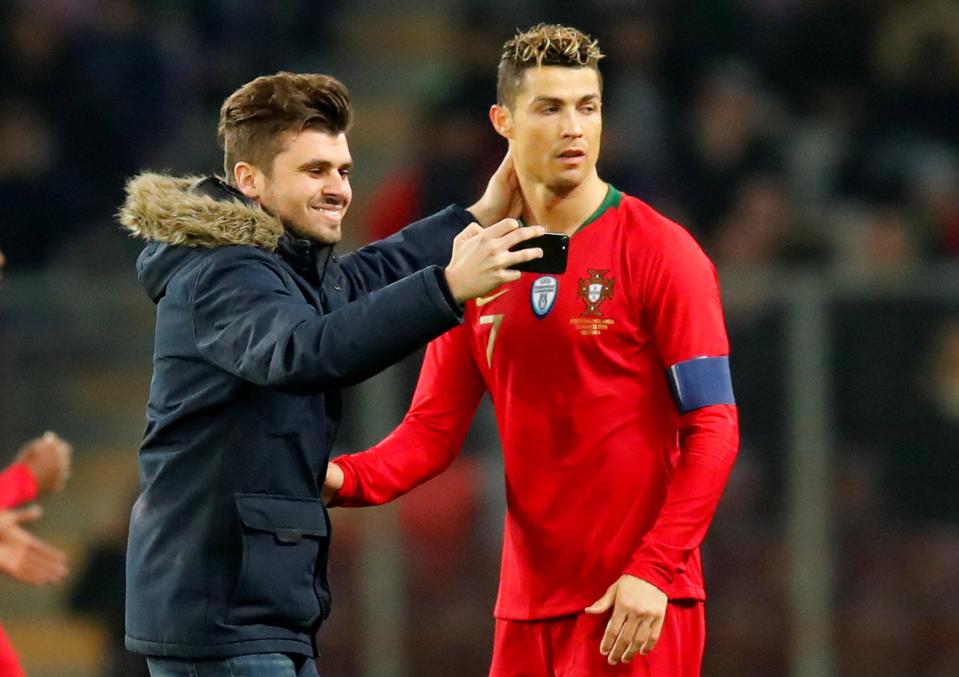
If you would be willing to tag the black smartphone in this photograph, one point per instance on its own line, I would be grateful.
(555, 249)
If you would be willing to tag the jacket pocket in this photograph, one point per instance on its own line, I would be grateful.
(285, 543)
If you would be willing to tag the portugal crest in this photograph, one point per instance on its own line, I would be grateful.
(594, 290)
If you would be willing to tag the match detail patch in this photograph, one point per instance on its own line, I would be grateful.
(542, 295)
(700, 382)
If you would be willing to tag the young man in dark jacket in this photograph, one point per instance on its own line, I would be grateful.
(259, 325)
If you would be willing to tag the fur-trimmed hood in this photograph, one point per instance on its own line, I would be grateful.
(181, 218)
(195, 212)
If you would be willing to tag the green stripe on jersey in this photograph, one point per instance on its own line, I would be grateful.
(612, 199)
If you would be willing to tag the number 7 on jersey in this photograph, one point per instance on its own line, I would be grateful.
(494, 320)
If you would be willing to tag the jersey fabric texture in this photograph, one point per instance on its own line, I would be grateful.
(604, 476)
(9, 663)
(17, 485)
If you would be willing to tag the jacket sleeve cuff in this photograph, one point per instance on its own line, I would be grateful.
(439, 291)
(463, 215)
(17, 485)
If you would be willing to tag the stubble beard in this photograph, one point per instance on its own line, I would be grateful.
(321, 235)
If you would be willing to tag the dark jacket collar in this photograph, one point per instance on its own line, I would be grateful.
(306, 257)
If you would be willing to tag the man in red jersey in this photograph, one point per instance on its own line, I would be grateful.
(41, 467)
(612, 394)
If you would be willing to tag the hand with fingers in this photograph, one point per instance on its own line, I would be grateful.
(482, 258)
(48, 458)
(639, 609)
(25, 557)
(503, 197)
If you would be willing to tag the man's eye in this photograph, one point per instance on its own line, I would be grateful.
(345, 173)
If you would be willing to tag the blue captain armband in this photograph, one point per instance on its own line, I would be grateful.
(700, 382)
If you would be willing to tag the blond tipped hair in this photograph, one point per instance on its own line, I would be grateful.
(543, 45)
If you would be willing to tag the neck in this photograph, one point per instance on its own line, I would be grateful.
(561, 211)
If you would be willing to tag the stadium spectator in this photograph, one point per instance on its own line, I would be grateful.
(28, 192)
(728, 139)
(922, 473)
(764, 228)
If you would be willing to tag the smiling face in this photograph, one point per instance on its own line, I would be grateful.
(554, 126)
(308, 185)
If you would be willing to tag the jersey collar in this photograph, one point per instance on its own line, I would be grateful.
(612, 200)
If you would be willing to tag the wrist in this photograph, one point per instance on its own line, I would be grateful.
(452, 285)
(655, 574)
(482, 214)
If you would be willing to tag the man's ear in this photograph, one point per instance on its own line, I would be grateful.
(248, 179)
(502, 120)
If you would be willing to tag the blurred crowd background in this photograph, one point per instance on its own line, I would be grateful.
(812, 147)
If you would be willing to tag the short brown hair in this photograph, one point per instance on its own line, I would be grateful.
(254, 117)
(543, 45)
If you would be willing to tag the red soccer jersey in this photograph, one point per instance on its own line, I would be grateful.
(17, 485)
(603, 476)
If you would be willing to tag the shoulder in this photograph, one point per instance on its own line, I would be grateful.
(651, 225)
(654, 235)
(238, 265)
(239, 256)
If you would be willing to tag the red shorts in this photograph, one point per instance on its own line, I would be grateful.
(569, 646)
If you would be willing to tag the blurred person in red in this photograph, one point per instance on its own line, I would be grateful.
(41, 467)
(448, 167)
(612, 394)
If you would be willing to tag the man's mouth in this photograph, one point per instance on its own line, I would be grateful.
(572, 154)
(330, 211)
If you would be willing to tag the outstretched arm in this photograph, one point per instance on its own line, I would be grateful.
(248, 322)
(427, 440)
(429, 241)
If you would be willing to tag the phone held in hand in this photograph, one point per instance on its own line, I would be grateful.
(555, 248)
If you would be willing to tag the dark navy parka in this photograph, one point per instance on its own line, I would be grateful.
(256, 332)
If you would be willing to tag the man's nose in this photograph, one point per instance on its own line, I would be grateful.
(571, 126)
(337, 185)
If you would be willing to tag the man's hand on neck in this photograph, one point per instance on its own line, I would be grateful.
(502, 199)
